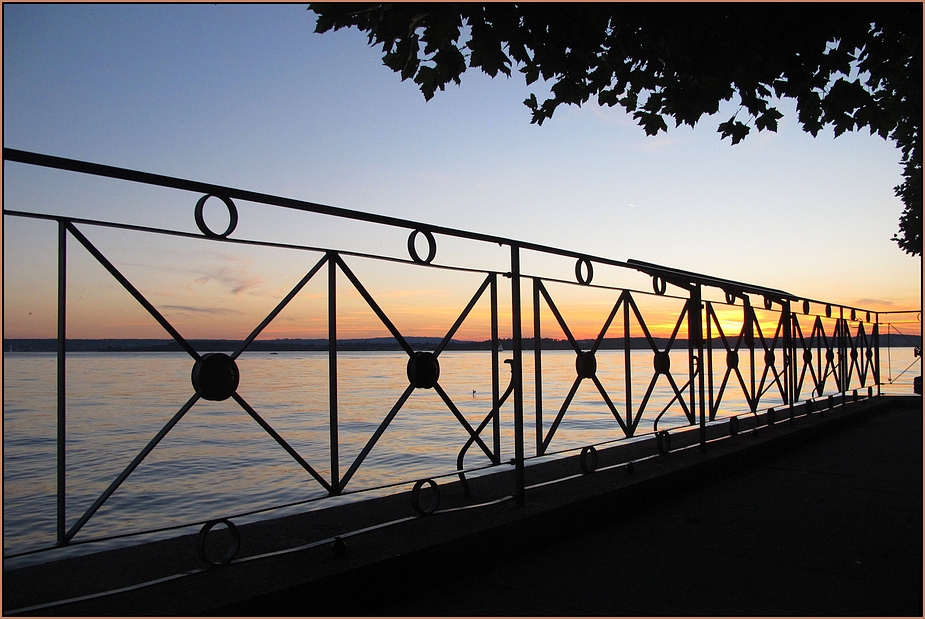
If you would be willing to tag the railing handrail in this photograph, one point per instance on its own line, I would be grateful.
(676, 275)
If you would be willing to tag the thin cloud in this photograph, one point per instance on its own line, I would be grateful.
(220, 311)
(236, 279)
(863, 302)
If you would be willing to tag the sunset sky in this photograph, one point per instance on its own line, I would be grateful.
(249, 97)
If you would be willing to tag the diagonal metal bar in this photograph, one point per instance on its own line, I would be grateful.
(492, 416)
(722, 390)
(374, 306)
(645, 400)
(673, 399)
(607, 323)
(691, 417)
(61, 489)
(374, 438)
(471, 439)
(555, 424)
(462, 420)
(132, 290)
(610, 405)
(711, 315)
(279, 439)
(642, 324)
(555, 312)
(462, 316)
(282, 304)
(130, 468)
(677, 328)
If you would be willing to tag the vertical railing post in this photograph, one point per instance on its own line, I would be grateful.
(517, 345)
(841, 328)
(332, 370)
(750, 343)
(789, 358)
(62, 395)
(627, 360)
(495, 369)
(709, 353)
(537, 367)
(695, 345)
(876, 337)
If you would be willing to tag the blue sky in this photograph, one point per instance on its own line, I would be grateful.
(249, 96)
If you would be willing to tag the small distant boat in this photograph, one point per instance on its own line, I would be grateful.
(274, 353)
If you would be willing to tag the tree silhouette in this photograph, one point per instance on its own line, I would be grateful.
(848, 66)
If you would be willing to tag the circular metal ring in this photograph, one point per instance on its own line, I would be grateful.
(768, 303)
(659, 285)
(805, 307)
(868, 317)
(630, 467)
(339, 546)
(828, 310)
(771, 417)
(416, 497)
(663, 441)
(580, 273)
(232, 550)
(587, 459)
(431, 247)
(730, 298)
(201, 220)
(733, 426)
(854, 314)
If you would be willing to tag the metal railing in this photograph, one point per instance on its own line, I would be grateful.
(781, 350)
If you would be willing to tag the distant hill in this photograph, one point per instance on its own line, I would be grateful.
(362, 344)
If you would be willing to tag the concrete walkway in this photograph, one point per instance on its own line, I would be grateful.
(821, 517)
(833, 527)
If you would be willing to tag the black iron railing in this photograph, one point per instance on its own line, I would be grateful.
(785, 349)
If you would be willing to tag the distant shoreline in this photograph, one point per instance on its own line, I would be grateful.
(362, 344)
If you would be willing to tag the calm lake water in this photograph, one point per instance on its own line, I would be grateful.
(218, 462)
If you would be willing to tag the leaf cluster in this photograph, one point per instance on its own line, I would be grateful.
(848, 66)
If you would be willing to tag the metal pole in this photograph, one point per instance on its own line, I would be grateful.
(627, 361)
(877, 352)
(695, 343)
(842, 351)
(790, 378)
(517, 342)
(537, 367)
(332, 370)
(62, 395)
(495, 370)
